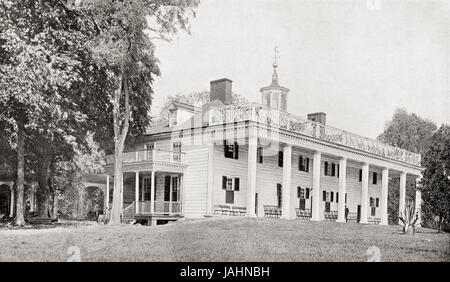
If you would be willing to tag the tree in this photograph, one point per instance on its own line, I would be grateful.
(410, 132)
(409, 217)
(194, 98)
(121, 45)
(35, 71)
(436, 177)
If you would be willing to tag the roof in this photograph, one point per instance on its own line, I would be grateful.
(178, 104)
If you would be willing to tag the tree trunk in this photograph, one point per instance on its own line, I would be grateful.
(20, 207)
(43, 190)
(55, 205)
(440, 224)
(80, 209)
(120, 133)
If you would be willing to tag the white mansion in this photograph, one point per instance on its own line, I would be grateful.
(257, 160)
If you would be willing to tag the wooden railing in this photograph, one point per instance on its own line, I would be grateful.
(149, 156)
(283, 120)
(160, 207)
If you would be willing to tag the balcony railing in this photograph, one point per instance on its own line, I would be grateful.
(149, 156)
(283, 120)
(160, 207)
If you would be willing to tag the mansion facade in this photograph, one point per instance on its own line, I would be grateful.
(257, 160)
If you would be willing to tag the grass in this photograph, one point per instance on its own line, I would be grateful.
(225, 239)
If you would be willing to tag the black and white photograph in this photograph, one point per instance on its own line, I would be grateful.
(239, 132)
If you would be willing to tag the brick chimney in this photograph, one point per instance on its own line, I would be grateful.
(318, 117)
(221, 90)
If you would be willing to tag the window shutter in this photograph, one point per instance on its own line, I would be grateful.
(307, 193)
(224, 182)
(338, 171)
(345, 197)
(236, 184)
(374, 180)
(324, 196)
(280, 158)
(225, 148)
(333, 169)
(298, 191)
(325, 168)
(378, 202)
(331, 196)
(307, 165)
(337, 197)
(236, 150)
(360, 175)
(300, 163)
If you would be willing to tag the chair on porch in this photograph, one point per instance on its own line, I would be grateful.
(303, 214)
(240, 211)
(331, 215)
(222, 209)
(271, 211)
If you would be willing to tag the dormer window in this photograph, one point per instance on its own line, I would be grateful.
(173, 118)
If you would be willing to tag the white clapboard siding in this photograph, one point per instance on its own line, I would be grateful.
(195, 182)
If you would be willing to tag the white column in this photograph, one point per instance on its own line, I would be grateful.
(364, 193)
(342, 189)
(384, 196)
(418, 204)
(251, 175)
(316, 213)
(11, 207)
(209, 203)
(107, 193)
(286, 209)
(136, 192)
(401, 206)
(152, 193)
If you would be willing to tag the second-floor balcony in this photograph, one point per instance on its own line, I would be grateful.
(153, 159)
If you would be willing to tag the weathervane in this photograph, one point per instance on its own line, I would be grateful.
(275, 57)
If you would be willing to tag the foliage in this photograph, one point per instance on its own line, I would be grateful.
(409, 217)
(436, 177)
(118, 37)
(410, 132)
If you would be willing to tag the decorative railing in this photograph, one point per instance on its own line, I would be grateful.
(283, 120)
(160, 207)
(149, 156)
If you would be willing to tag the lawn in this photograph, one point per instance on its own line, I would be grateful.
(225, 239)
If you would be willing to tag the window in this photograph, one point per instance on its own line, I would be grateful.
(303, 164)
(325, 168)
(324, 196)
(267, 99)
(167, 188)
(372, 202)
(231, 185)
(279, 195)
(231, 151)
(175, 187)
(146, 188)
(177, 151)
(283, 102)
(307, 193)
(275, 101)
(360, 175)
(374, 178)
(300, 192)
(280, 158)
(372, 211)
(259, 155)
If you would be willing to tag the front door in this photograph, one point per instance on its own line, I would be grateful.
(302, 204)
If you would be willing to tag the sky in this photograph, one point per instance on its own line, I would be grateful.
(355, 60)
